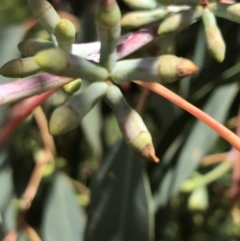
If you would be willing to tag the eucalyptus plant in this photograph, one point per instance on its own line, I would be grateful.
(59, 58)
(59, 62)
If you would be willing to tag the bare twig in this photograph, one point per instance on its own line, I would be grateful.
(30, 232)
(41, 161)
(43, 127)
(214, 158)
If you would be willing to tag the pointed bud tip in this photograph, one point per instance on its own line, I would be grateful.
(186, 67)
(63, 120)
(148, 153)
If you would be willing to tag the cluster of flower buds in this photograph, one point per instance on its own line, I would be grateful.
(62, 57)
(174, 15)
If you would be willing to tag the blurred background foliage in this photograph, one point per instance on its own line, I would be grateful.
(98, 189)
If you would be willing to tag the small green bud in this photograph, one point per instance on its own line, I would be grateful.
(63, 120)
(230, 12)
(215, 42)
(141, 4)
(73, 86)
(163, 69)
(138, 19)
(131, 124)
(30, 47)
(65, 33)
(108, 15)
(198, 200)
(180, 20)
(69, 65)
(68, 116)
(108, 18)
(180, 2)
(20, 68)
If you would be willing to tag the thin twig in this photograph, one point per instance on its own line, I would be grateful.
(42, 160)
(43, 127)
(211, 176)
(30, 232)
(214, 158)
(228, 135)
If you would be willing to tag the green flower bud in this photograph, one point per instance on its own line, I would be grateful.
(140, 18)
(20, 68)
(69, 65)
(215, 42)
(141, 4)
(73, 86)
(198, 200)
(230, 12)
(63, 120)
(108, 18)
(163, 69)
(65, 33)
(46, 15)
(180, 2)
(131, 124)
(30, 47)
(68, 116)
(180, 20)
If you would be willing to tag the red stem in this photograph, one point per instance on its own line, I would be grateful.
(228, 135)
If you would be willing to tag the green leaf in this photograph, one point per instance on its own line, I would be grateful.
(5, 179)
(63, 219)
(121, 208)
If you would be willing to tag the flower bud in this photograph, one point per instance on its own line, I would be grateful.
(65, 33)
(215, 42)
(20, 68)
(46, 15)
(131, 124)
(141, 4)
(163, 69)
(230, 12)
(69, 65)
(30, 47)
(140, 18)
(73, 86)
(180, 2)
(67, 117)
(180, 20)
(234, 12)
(108, 18)
(198, 200)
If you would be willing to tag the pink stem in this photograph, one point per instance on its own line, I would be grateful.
(25, 88)
(228, 135)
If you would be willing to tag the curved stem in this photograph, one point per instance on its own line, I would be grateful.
(228, 135)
